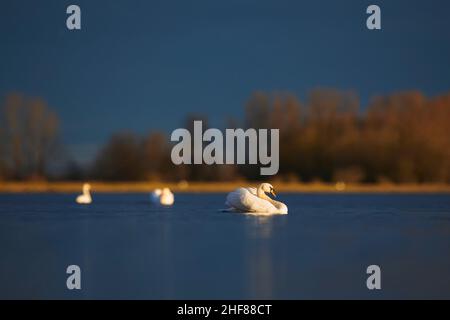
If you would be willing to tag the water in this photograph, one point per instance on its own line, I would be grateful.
(128, 249)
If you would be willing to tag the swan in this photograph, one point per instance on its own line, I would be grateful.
(162, 196)
(85, 198)
(252, 200)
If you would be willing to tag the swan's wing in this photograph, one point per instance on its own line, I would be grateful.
(84, 199)
(244, 200)
(234, 198)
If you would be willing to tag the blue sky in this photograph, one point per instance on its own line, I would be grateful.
(143, 65)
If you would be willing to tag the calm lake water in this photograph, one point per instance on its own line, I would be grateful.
(128, 249)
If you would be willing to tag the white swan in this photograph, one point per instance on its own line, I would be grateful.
(163, 196)
(85, 198)
(252, 200)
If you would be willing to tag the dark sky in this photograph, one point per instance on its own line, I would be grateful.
(144, 65)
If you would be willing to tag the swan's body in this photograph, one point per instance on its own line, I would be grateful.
(252, 200)
(163, 196)
(85, 198)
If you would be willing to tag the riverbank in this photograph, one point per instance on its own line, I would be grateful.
(125, 187)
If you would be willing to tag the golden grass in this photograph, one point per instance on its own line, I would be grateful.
(123, 187)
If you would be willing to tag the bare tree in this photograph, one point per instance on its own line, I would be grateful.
(30, 131)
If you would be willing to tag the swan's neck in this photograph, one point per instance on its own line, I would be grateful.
(86, 192)
(261, 194)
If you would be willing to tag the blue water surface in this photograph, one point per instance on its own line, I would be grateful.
(128, 249)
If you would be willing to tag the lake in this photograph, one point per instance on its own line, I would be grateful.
(128, 249)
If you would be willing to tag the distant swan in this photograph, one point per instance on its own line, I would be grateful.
(162, 196)
(252, 200)
(85, 198)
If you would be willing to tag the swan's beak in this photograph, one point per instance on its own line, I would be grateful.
(272, 192)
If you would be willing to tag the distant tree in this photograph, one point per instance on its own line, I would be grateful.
(73, 172)
(120, 160)
(156, 157)
(402, 137)
(286, 116)
(3, 167)
(30, 136)
(329, 134)
(257, 111)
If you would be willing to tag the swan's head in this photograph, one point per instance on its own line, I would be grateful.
(166, 191)
(268, 188)
(86, 187)
(157, 192)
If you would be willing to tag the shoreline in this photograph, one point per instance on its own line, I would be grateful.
(217, 187)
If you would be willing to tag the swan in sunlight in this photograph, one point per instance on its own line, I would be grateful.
(255, 201)
(162, 196)
(85, 198)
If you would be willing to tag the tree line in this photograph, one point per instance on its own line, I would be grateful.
(401, 138)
